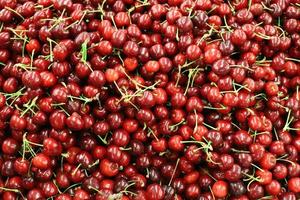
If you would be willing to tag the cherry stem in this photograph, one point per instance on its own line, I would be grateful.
(297, 93)
(20, 36)
(212, 9)
(209, 126)
(226, 25)
(29, 106)
(255, 133)
(82, 17)
(152, 133)
(285, 160)
(14, 11)
(12, 190)
(94, 164)
(54, 182)
(191, 78)
(241, 87)
(251, 179)
(242, 66)
(101, 10)
(263, 36)
(206, 35)
(213, 108)
(83, 52)
(257, 167)
(162, 153)
(207, 173)
(33, 143)
(118, 53)
(280, 29)
(249, 4)
(137, 84)
(235, 125)
(104, 140)
(174, 171)
(206, 147)
(265, 7)
(76, 169)
(125, 149)
(266, 198)
(143, 4)
(125, 191)
(84, 99)
(281, 106)
(71, 186)
(58, 104)
(26, 146)
(289, 120)
(196, 125)
(292, 59)
(239, 151)
(213, 195)
(14, 95)
(231, 8)
(25, 67)
(113, 21)
(58, 20)
(175, 126)
(276, 135)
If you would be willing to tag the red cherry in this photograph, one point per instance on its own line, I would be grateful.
(220, 189)
(293, 184)
(155, 192)
(152, 66)
(109, 168)
(41, 161)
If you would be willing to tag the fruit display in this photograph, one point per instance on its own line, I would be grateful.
(150, 99)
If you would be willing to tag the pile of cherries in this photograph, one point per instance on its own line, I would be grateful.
(150, 99)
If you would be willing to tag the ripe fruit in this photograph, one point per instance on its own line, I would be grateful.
(220, 189)
(149, 100)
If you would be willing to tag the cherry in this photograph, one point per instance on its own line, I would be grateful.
(152, 66)
(175, 143)
(33, 46)
(108, 168)
(35, 194)
(268, 161)
(234, 173)
(75, 122)
(60, 52)
(212, 55)
(104, 48)
(111, 75)
(273, 188)
(10, 146)
(155, 191)
(32, 79)
(52, 147)
(57, 120)
(192, 191)
(81, 194)
(41, 161)
(293, 184)
(238, 188)
(17, 123)
(21, 166)
(220, 189)
(131, 49)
